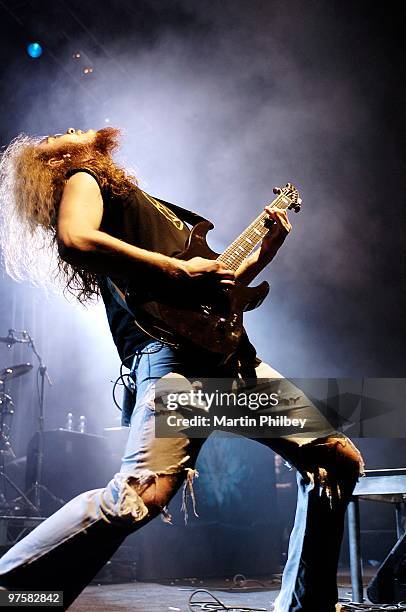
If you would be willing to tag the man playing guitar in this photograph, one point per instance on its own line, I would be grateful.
(66, 192)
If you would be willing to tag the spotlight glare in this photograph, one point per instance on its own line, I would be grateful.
(34, 50)
(76, 55)
(87, 70)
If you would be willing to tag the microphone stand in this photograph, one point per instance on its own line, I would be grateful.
(38, 487)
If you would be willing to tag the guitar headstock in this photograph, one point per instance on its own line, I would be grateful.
(289, 197)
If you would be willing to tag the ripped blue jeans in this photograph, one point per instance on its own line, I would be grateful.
(68, 549)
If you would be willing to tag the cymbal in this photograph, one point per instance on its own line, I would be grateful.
(15, 371)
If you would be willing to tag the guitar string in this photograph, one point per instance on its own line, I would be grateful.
(237, 251)
(251, 232)
(256, 225)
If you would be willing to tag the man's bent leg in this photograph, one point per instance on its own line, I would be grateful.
(328, 469)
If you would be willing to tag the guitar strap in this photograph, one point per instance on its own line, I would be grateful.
(118, 294)
(186, 215)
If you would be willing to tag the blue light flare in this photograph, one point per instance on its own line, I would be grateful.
(34, 50)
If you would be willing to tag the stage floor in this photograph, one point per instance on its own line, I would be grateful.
(154, 597)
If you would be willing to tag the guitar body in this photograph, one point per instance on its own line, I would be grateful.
(215, 325)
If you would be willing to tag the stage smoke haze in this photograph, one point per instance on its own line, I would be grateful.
(216, 108)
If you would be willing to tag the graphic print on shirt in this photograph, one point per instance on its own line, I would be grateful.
(166, 212)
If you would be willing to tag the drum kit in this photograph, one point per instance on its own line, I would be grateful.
(6, 417)
(7, 406)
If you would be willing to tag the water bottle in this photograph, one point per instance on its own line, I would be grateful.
(69, 422)
(82, 424)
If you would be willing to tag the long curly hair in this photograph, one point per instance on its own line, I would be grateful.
(31, 186)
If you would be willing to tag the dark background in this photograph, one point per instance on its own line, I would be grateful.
(219, 102)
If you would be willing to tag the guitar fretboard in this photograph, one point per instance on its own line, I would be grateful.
(246, 242)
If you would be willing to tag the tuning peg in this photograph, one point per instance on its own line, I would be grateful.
(296, 208)
(276, 190)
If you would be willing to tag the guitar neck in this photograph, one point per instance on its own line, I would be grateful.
(246, 242)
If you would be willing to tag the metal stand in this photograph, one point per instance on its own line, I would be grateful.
(8, 517)
(5, 479)
(386, 485)
(354, 540)
(38, 488)
(6, 410)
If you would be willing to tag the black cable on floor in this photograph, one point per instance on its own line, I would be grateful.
(361, 607)
(216, 604)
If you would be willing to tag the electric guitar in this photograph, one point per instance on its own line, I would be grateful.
(215, 325)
